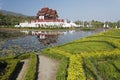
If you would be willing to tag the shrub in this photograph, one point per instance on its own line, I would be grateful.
(30, 75)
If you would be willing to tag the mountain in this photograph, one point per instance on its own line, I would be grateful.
(11, 13)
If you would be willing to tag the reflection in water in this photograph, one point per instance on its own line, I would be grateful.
(47, 39)
(37, 40)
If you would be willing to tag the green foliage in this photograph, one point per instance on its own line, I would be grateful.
(112, 24)
(86, 46)
(62, 70)
(10, 20)
(100, 65)
(117, 65)
(75, 69)
(118, 23)
(89, 69)
(97, 24)
(93, 58)
(107, 70)
(23, 56)
(30, 75)
(11, 64)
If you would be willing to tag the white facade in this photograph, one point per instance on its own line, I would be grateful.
(26, 24)
(39, 24)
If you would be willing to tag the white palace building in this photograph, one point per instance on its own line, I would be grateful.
(44, 23)
(47, 17)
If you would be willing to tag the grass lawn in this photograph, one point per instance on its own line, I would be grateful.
(86, 47)
(95, 57)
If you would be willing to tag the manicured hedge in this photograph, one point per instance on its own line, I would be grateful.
(84, 64)
(11, 65)
(30, 75)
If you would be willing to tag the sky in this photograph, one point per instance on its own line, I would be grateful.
(85, 10)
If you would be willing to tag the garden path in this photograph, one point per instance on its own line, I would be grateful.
(47, 68)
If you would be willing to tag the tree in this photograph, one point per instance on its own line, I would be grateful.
(118, 23)
(97, 24)
(10, 20)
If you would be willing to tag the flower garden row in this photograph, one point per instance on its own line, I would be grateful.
(92, 58)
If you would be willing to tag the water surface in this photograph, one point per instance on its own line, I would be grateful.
(32, 42)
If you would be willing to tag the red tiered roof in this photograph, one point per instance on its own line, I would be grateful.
(47, 13)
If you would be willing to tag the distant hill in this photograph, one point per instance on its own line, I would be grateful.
(12, 13)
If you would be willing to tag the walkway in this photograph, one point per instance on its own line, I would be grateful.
(47, 68)
(22, 73)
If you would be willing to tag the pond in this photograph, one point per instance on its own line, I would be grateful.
(38, 40)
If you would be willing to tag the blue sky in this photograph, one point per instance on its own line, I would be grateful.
(102, 10)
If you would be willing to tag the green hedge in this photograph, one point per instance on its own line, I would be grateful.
(31, 73)
(23, 56)
(11, 65)
(78, 68)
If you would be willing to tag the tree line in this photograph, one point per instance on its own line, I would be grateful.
(98, 24)
(11, 20)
